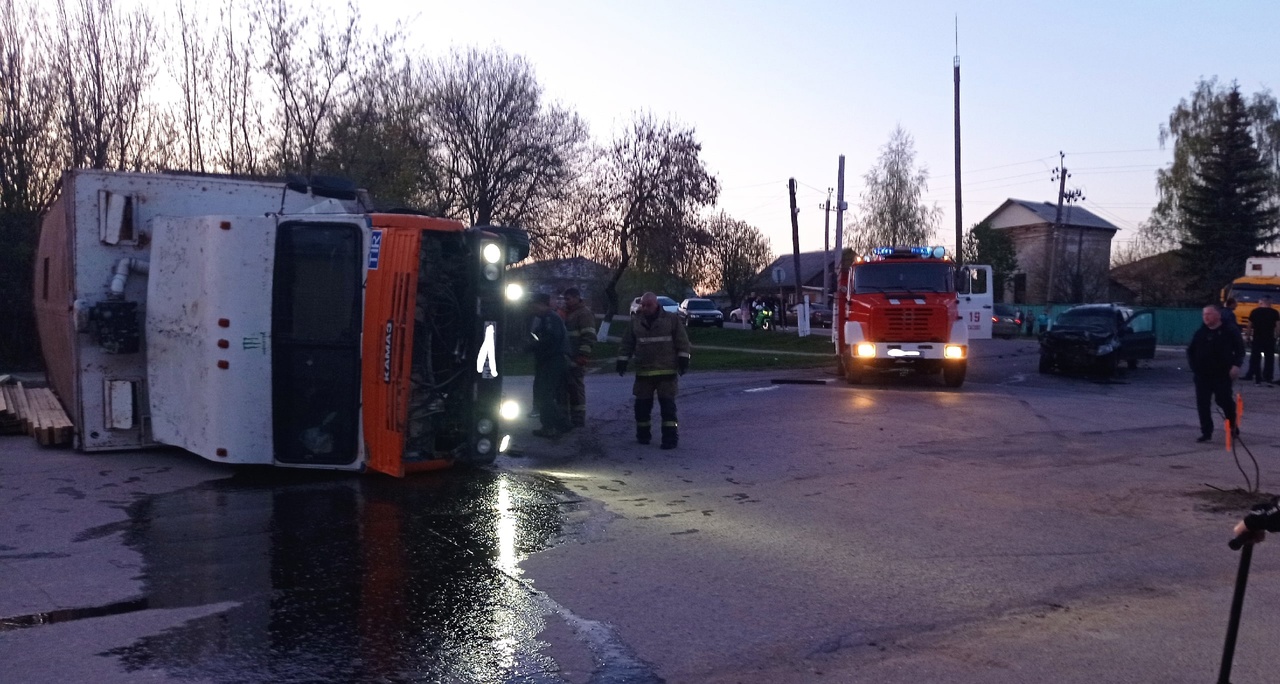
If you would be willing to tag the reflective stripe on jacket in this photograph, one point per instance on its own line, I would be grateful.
(582, 329)
(655, 344)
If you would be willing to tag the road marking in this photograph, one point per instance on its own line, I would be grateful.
(762, 389)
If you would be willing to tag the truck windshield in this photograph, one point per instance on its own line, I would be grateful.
(700, 305)
(914, 276)
(1250, 293)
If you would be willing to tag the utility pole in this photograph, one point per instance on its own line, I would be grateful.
(826, 246)
(795, 249)
(959, 205)
(838, 259)
(1059, 174)
(1077, 278)
(837, 302)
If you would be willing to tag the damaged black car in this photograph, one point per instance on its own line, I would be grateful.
(1096, 338)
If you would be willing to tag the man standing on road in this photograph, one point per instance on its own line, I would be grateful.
(1215, 355)
(550, 347)
(1263, 321)
(660, 345)
(581, 323)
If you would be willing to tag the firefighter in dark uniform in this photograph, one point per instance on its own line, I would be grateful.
(660, 345)
(582, 334)
(550, 347)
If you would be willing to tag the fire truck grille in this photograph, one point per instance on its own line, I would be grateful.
(910, 324)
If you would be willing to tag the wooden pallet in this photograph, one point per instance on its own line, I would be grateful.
(35, 412)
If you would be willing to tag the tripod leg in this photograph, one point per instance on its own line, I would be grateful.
(1233, 625)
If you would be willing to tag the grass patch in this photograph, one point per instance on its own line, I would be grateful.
(605, 353)
(817, 343)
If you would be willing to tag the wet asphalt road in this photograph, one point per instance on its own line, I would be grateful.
(1024, 528)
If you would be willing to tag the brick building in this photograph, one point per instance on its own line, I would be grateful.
(1068, 262)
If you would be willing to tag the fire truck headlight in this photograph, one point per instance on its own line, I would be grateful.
(866, 349)
(484, 426)
(953, 351)
(509, 410)
(515, 292)
(491, 271)
(504, 444)
(492, 253)
(483, 446)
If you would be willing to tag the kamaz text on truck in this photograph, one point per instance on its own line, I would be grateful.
(258, 322)
(903, 310)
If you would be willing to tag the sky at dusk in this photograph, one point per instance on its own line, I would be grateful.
(778, 90)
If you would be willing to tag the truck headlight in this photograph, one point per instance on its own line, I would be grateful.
(866, 349)
(484, 426)
(492, 253)
(515, 292)
(491, 271)
(483, 446)
(504, 444)
(953, 351)
(509, 410)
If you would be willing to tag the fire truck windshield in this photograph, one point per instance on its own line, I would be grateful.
(910, 276)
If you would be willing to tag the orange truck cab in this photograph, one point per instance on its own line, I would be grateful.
(909, 309)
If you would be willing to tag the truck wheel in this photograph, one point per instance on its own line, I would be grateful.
(953, 373)
(852, 373)
(1046, 364)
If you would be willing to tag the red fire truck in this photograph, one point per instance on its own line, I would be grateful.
(910, 310)
(276, 323)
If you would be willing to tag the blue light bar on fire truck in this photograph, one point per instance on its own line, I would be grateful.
(923, 252)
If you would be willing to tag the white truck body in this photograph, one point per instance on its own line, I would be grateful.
(207, 243)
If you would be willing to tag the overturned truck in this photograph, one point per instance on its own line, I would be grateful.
(279, 323)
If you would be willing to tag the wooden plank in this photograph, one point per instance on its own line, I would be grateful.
(57, 425)
(24, 409)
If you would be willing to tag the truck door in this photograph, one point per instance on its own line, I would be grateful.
(973, 288)
(315, 350)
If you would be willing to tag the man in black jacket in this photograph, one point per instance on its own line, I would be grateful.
(550, 347)
(1215, 355)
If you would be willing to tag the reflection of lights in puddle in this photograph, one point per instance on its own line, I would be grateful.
(505, 621)
(562, 475)
(863, 402)
(762, 389)
(506, 530)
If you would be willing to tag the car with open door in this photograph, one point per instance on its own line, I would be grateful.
(1097, 338)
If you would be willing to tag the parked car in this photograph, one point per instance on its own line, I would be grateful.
(668, 304)
(1006, 321)
(700, 312)
(820, 315)
(1096, 338)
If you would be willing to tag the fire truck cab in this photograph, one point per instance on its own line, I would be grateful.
(911, 310)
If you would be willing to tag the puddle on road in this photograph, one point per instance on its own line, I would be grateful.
(348, 579)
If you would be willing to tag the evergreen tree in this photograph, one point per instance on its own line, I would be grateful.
(1228, 209)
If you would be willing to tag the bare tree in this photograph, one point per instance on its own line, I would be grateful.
(29, 169)
(238, 115)
(310, 57)
(739, 252)
(652, 184)
(380, 136)
(105, 66)
(505, 153)
(894, 211)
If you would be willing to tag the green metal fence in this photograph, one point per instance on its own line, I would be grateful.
(1174, 326)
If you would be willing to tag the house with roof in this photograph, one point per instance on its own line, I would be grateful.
(811, 280)
(554, 276)
(1062, 258)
